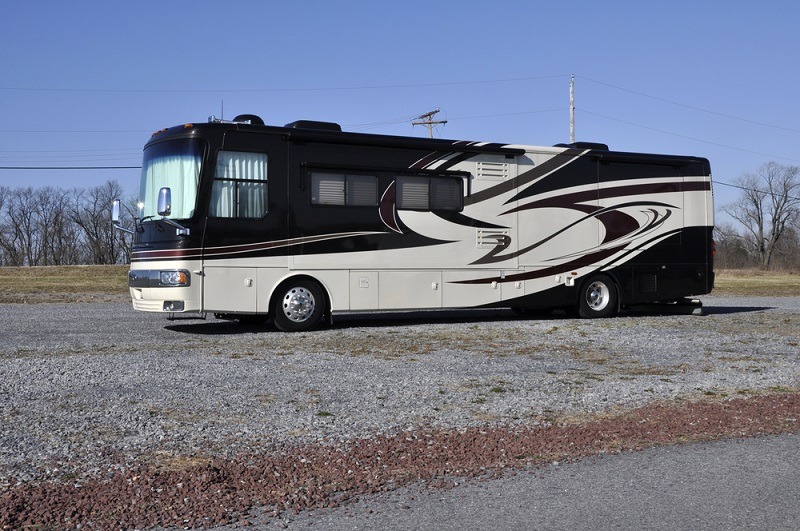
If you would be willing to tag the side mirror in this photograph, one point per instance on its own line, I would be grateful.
(115, 217)
(165, 202)
(165, 209)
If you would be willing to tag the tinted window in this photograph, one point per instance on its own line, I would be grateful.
(343, 189)
(429, 193)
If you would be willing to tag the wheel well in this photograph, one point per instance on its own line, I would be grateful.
(277, 292)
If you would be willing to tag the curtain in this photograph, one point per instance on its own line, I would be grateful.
(176, 166)
(240, 185)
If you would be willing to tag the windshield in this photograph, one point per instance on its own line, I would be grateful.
(174, 164)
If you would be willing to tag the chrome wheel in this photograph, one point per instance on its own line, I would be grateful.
(598, 297)
(300, 308)
(299, 304)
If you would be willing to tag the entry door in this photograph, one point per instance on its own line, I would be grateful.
(245, 219)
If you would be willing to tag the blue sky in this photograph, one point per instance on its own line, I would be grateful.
(85, 83)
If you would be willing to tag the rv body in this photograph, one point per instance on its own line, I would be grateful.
(298, 222)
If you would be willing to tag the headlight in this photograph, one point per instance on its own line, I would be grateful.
(174, 278)
(154, 278)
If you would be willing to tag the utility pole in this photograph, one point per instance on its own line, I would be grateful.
(572, 109)
(428, 121)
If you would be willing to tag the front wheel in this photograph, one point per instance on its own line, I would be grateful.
(598, 297)
(299, 306)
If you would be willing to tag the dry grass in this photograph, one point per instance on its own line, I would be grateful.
(88, 283)
(755, 282)
(62, 283)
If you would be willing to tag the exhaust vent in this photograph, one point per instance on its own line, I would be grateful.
(492, 171)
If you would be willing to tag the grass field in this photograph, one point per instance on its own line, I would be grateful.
(753, 282)
(63, 283)
(87, 283)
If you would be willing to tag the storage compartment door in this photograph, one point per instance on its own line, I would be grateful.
(229, 289)
(401, 290)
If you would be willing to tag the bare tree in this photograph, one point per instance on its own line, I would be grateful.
(770, 203)
(51, 226)
(731, 248)
(4, 192)
(22, 240)
(50, 211)
(787, 252)
(92, 213)
(61, 236)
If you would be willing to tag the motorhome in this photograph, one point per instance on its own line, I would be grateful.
(299, 222)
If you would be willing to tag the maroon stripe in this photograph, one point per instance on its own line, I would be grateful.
(233, 249)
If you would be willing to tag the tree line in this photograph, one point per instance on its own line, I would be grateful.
(768, 216)
(52, 226)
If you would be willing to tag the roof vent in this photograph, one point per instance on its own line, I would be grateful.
(311, 124)
(251, 119)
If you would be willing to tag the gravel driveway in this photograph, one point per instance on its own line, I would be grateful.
(88, 386)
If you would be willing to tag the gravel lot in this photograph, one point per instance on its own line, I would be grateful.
(88, 386)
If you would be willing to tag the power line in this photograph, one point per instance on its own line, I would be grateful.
(756, 190)
(692, 107)
(71, 131)
(376, 125)
(520, 113)
(37, 156)
(286, 89)
(70, 167)
(118, 150)
(688, 137)
(371, 87)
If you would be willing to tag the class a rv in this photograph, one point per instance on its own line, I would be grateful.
(297, 223)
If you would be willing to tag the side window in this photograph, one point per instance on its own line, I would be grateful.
(413, 193)
(362, 190)
(327, 188)
(240, 185)
(446, 193)
(343, 189)
(430, 193)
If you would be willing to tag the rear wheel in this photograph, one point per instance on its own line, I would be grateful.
(597, 297)
(299, 306)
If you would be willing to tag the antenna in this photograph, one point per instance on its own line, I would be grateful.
(213, 119)
(427, 121)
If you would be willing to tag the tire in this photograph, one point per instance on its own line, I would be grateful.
(598, 297)
(299, 306)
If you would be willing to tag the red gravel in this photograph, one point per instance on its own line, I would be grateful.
(300, 478)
